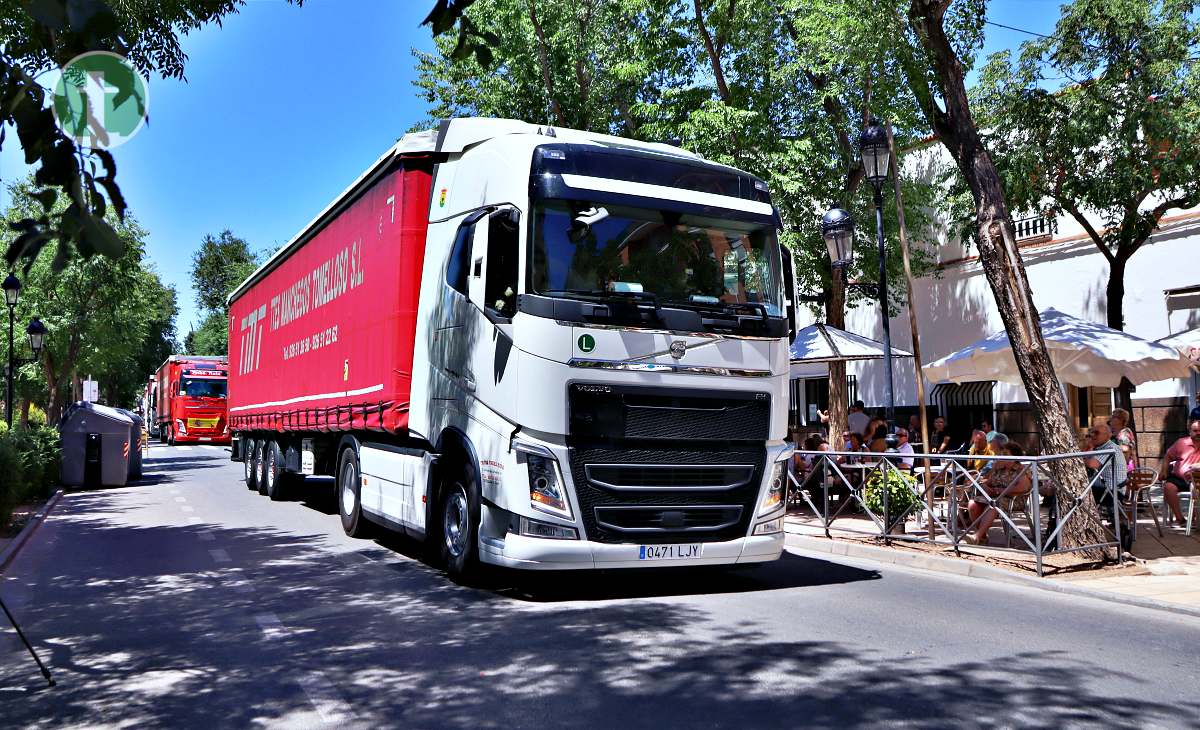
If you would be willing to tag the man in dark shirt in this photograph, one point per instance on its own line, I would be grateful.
(1195, 411)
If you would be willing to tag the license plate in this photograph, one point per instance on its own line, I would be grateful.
(670, 552)
(202, 422)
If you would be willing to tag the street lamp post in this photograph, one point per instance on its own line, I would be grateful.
(37, 340)
(12, 292)
(874, 148)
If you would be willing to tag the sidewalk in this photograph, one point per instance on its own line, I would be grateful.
(1165, 572)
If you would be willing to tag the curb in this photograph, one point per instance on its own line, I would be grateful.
(969, 569)
(14, 547)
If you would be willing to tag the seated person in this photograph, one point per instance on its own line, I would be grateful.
(1113, 473)
(980, 448)
(1178, 464)
(904, 447)
(854, 443)
(1005, 479)
(996, 442)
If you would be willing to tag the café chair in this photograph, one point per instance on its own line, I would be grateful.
(1138, 486)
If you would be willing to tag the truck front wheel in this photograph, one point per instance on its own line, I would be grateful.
(460, 524)
(349, 491)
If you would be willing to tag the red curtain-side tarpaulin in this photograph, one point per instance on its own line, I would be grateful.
(324, 342)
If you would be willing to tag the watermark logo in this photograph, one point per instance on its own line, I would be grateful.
(100, 100)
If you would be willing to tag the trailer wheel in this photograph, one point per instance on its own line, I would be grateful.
(171, 436)
(273, 475)
(349, 491)
(248, 446)
(459, 523)
(260, 467)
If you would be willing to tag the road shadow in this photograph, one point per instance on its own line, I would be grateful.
(143, 628)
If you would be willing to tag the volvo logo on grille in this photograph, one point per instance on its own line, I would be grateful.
(678, 349)
(593, 388)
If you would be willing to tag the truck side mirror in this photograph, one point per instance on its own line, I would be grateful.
(789, 291)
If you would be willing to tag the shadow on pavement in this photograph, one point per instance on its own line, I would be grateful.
(143, 628)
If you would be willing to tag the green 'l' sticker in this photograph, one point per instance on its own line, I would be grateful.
(587, 343)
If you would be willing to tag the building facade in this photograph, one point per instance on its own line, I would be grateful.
(955, 307)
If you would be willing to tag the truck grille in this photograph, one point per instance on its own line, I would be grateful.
(608, 412)
(659, 519)
(628, 477)
(666, 495)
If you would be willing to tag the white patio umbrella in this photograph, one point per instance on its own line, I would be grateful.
(1187, 343)
(1085, 354)
(819, 343)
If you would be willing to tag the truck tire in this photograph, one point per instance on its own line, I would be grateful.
(171, 436)
(458, 523)
(274, 477)
(349, 490)
(260, 467)
(248, 460)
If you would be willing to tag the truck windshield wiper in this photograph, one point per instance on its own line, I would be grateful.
(601, 295)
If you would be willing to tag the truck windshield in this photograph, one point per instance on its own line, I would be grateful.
(582, 248)
(202, 387)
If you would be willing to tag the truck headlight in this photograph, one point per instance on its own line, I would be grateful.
(547, 493)
(545, 490)
(776, 488)
(181, 426)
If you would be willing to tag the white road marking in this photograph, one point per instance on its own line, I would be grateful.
(271, 626)
(325, 700)
(183, 448)
(188, 508)
(194, 520)
(181, 499)
(219, 555)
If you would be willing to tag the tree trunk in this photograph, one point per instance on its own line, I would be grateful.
(1115, 294)
(835, 315)
(714, 57)
(544, 63)
(25, 404)
(1005, 272)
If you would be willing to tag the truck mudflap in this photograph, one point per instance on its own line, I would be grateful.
(531, 553)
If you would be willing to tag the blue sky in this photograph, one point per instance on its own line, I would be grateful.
(284, 107)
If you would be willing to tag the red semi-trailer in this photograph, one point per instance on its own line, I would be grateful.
(189, 404)
(533, 348)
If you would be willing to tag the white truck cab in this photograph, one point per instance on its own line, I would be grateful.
(601, 355)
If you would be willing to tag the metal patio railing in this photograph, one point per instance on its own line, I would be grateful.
(841, 484)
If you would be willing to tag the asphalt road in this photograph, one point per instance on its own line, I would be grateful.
(190, 601)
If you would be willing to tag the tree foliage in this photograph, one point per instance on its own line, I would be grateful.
(1119, 141)
(220, 264)
(780, 89)
(39, 35)
(107, 317)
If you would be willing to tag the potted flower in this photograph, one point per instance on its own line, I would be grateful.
(901, 496)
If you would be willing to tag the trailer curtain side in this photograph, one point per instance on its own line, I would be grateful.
(324, 340)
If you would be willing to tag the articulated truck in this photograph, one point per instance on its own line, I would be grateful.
(188, 400)
(531, 347)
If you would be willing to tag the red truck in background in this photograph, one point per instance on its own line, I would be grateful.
(189, 404)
